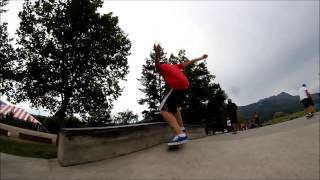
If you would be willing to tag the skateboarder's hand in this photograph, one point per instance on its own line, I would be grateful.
(156, 48)
(204, 56)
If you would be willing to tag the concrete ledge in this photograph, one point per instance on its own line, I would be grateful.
(195, 132)
(27, 134)
(83, 145)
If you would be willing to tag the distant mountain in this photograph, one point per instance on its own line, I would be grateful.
(282, 102)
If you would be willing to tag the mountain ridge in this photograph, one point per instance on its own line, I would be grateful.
(283, 102)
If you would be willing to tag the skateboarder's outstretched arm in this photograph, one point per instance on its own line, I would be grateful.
(157, 49)
(308, 94)
(188, 63)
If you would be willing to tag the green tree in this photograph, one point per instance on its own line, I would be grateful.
(202, 90)
(125, 117)
(7, 55)
(98, 117)
(153, 87)
(216, 109)
(2, 4)
(71, 57)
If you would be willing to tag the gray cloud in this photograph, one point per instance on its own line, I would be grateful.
(266, 47)
(256, 48)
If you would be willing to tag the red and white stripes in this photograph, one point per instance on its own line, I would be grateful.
(18, 113)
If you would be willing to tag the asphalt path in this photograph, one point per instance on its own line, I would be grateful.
(288, 150)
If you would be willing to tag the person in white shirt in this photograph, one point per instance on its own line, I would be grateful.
(306, 100)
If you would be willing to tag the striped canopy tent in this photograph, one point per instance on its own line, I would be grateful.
(18, 113)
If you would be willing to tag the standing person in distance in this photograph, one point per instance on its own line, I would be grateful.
(306, 100)
(257, 119)
(232, 110)
(178, 84)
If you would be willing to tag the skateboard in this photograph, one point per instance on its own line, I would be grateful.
(174, 147)
(309, 116)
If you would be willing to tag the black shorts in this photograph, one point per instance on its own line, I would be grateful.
(233, 119)
(307, 102)
(173, 100)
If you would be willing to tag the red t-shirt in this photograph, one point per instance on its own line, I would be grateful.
(173, 75)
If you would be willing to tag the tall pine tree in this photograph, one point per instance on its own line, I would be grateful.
(201, 89)
(153, 87)
(216, 108)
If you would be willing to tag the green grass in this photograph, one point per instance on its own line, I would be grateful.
(27, 149)
(285, 118)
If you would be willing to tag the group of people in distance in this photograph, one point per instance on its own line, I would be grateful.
(178, 85)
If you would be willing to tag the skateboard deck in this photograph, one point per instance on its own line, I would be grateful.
(309, 116)
(174, 147)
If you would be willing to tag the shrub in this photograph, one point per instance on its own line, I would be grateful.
(279, 114)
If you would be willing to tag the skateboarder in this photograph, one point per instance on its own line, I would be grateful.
(178, 84)
(306, 100)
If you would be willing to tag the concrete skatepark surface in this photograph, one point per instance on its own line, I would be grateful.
(288, 150)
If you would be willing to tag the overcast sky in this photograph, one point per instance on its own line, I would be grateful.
(256, 48)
